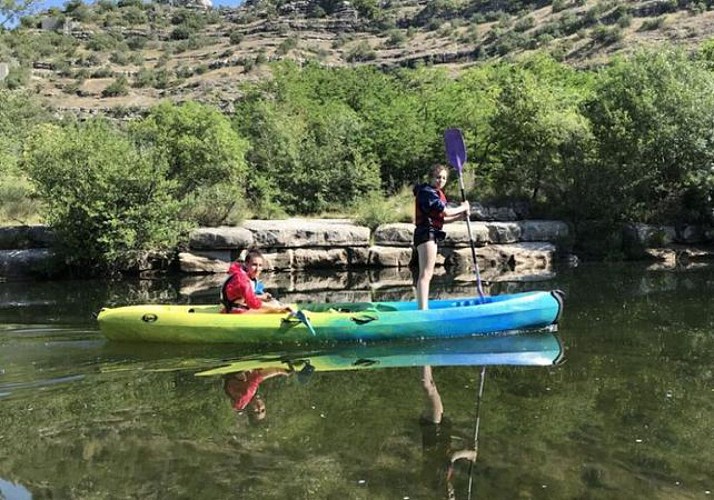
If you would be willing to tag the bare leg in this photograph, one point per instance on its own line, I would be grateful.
(427, 260)
(433, 408)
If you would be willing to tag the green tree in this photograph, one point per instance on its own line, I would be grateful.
(538, 134)
(107, 200)
(310, 148)
(202, 150)
(19, 112)
(653, 118)
(12, 10)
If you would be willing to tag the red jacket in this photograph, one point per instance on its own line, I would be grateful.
(238, 291)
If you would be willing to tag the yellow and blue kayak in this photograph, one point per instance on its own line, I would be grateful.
(338, 322)
(541, 348)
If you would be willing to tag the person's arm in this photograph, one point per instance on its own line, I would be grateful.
(429, 201)
(460, 212)
(275, 307)
(274, 372)
(244, 289)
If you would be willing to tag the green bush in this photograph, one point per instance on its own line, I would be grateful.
(376, 209)
(105, 197)
(360, 53)
(220, 204)
(201, 148)
(17, 201)
(17, 77)
(118, 87)
(235, 37)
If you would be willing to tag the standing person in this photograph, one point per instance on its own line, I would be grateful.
(238, 293)
(431, 213)
(440, 454)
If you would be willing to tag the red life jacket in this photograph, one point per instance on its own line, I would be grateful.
(433, 218)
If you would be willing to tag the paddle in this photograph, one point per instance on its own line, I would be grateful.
(302, 318)
(476, 426)
(456, 155)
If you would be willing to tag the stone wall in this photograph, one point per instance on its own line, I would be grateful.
(522, 247)
(506, 250)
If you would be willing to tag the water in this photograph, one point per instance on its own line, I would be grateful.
(628, 414)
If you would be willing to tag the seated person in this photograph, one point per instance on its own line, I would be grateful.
(243, 292)
(242, 388)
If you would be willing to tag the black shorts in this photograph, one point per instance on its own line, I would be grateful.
(423, 234)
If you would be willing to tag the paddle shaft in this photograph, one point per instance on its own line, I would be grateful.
(476, 428)
(471, 239)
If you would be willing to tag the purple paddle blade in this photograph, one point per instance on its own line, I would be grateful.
(455, 148)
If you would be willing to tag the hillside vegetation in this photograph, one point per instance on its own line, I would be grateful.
(128, 53)
(256, 112)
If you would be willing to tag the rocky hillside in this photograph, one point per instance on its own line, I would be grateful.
(129, 54)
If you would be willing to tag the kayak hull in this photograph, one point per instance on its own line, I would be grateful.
(539, 348)
(367, 321)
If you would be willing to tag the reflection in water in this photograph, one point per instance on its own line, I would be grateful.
(629, 415)
(542, 348)
(440, 451)
(443, 446)
(242, 388)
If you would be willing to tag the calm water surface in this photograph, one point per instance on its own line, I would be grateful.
(629, 413)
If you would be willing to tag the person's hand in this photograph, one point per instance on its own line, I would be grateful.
(466, 209)
(266, 296)
(288, 309)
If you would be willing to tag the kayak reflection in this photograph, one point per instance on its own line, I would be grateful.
(449, 451)
(541, 348)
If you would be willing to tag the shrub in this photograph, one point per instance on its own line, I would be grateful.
(220, 204)
(137, 42)
(286, 45)
(376, 209)
(181, 32)
(361, 52)
(17, 77)
(118, 87)
(105, 197)
(652, 24)
(202, 148)
(17, 200)
(235, 37)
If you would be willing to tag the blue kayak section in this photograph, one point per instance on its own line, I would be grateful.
(541, 348)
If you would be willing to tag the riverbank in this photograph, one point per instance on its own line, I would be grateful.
(506, 250)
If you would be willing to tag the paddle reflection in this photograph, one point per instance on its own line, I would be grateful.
(442, 449)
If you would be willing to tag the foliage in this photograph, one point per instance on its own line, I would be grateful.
(537, 132)
(11, 10)
(17, 78)
(218, 204)
(304, 162)
(376, 209)
(631, 141)
(653, 121)
(198, 143)
(118, 87)
(18, 114)
(105, 197)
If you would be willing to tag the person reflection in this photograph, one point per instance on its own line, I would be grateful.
(439, 455)
(242, 389)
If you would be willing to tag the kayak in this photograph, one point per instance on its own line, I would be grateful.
(534, 349)
(326, 322)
